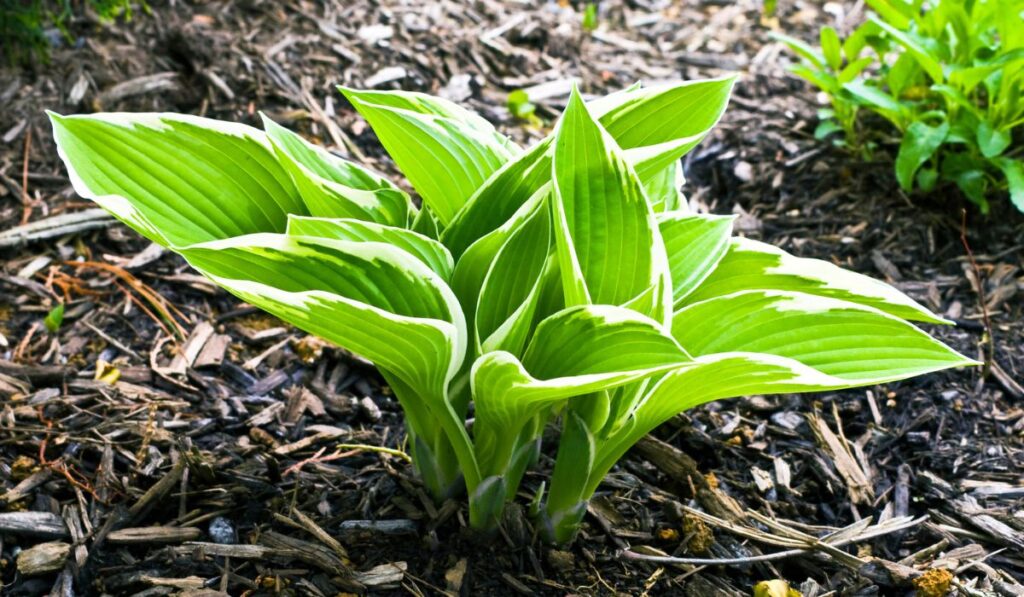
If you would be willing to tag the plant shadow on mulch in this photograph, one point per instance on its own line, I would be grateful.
(135, 461)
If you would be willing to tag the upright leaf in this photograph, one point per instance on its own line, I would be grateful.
(501, 196)
(919, 144)
(472, 268)
(929, 62)
(444, 151)
(830, 48)
(655, 115)
(508, 297)
(607, 242)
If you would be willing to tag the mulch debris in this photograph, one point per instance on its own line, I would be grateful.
(166, 439)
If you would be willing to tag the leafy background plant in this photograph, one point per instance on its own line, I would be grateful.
(23, 24)
(947, 75)
(562, 284)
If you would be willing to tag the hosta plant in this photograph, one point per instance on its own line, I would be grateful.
(563, 284)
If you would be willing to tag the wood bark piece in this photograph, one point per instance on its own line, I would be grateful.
(156, 83)
(191, 349)
(363, 530)
(144, 535)
(43, 558)
(677, 464)
(55, 227)
(857, 483)
(384, 576)
(212, 354)
(157, 491)
(35, 524)
(38, 375)
(969, 509)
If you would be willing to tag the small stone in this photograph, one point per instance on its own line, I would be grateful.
(743, 171)
(222, 531)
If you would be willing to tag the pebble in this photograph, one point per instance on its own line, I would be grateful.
(222, 531)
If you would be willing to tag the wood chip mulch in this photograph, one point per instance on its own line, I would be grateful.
(168, 440)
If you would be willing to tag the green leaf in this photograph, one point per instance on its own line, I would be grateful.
(820, 79)
(499, 198)
(801, 49)
(472, 268)
(927, 178)
(957, 98)
(917, 49)
(371, 298)
(880, 101)
(432, 253)
(851, 70)
(919, 144)
(858, 39)
(835, 337)
(566, 501)
(54, 318)
(897, 12)
(968, 172)
(509, 293)
(335, 188)
(715, 377)
(177, 179)
(605, 235)
(658, 169)
(694, 244)
(671, 118)
(830, 48)
(426, 224)
(826, 128)
(519, 104)
(904, 74)
(654, 115)
(753, 265)
(1014, 172)
(445, 152)
(575, 352)
(992, 141)
(590, 16)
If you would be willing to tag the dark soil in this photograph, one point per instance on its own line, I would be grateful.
(240, 446)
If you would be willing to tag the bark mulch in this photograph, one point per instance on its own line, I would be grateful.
(168, 440)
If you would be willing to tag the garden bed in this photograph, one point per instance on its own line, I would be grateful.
(220, 449)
